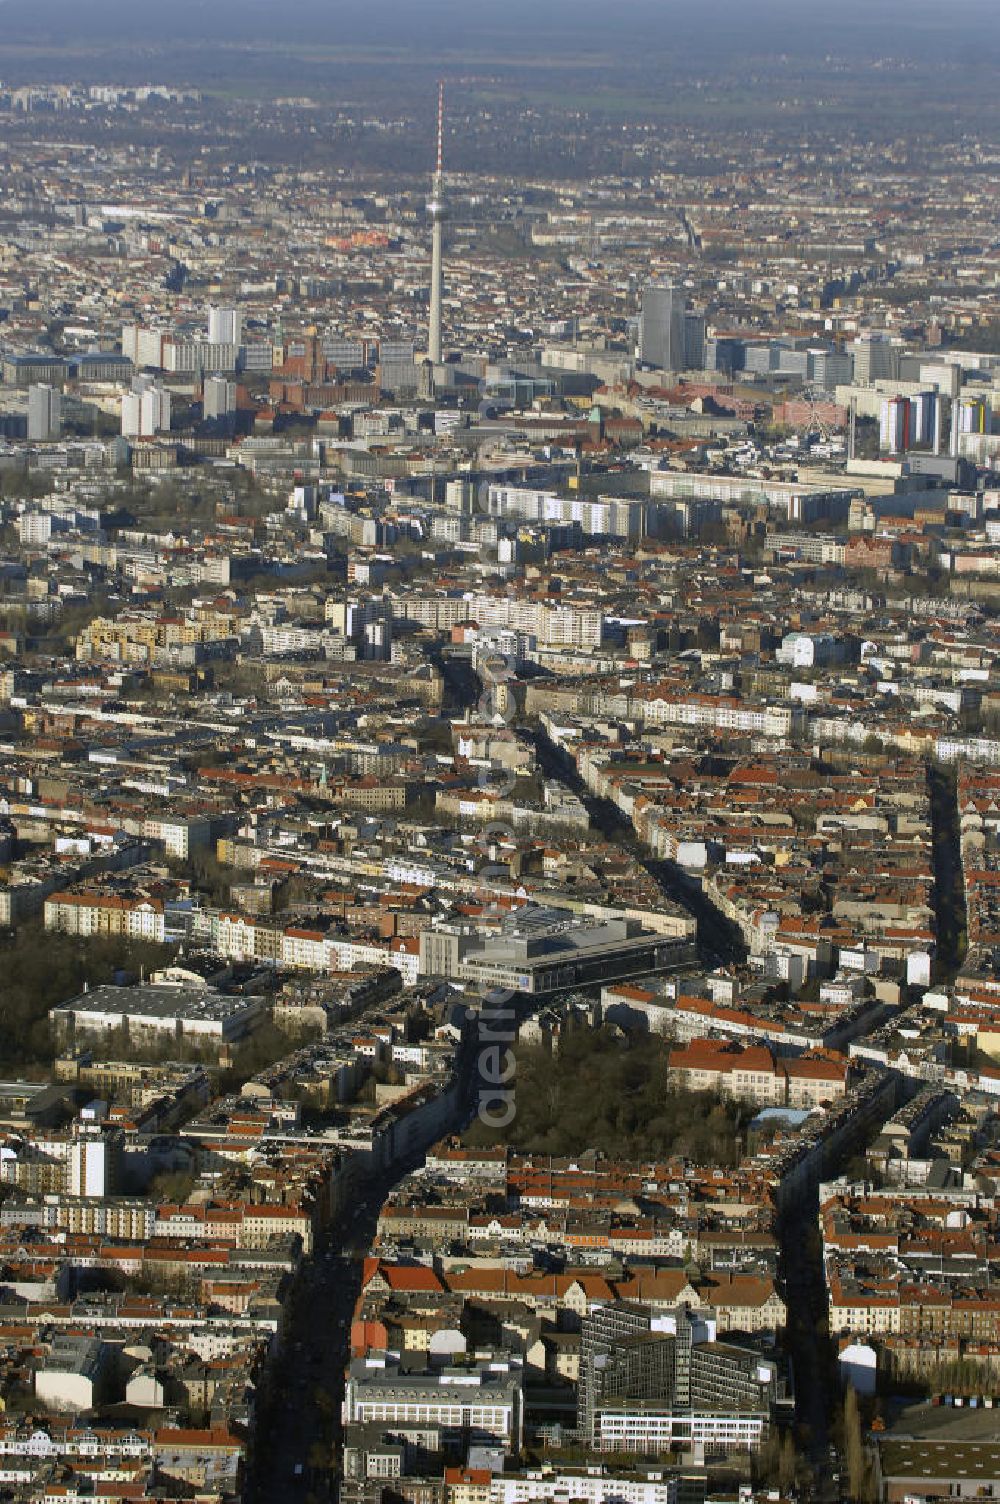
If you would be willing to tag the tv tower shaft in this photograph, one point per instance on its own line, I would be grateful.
(438, 213)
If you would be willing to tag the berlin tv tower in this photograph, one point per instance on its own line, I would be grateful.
(438, 213)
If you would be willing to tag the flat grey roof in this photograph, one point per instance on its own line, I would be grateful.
(158, 1001)
(934, 1460)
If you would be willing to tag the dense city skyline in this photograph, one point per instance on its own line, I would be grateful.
(499, 753)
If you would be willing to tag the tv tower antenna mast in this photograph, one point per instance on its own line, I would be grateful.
(438, 213)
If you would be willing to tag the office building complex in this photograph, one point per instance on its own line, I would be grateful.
(480, 1400)
(648, 1379)
(540, 952)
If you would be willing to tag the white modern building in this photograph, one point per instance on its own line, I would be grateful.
(482, 1401)
(645, 1426)
(91, 1165)
(593, 1485)
(145, 410)
(225, 326)
(219, 397)
(44, 413)
(70, 1376)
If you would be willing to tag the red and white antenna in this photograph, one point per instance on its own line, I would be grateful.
(440, 140)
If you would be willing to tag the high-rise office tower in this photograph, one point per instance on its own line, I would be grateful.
(438, 213)
(694, 341)
(377, 639)
(829, 368)
(225, 326)
(44, 413)
(876, 358)
(612, 1338)
(662, 331)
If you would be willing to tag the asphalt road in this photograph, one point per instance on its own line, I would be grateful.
(299, 1425)
(949, 884)
(719, 942)
(816, 1394)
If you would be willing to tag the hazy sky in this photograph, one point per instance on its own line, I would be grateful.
(899, 27)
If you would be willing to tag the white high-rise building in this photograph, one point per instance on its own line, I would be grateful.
(970, 415)
(144, 347)
(192, 356)
(131, 415)
(90, 1170)
(460, 496)
(377, 639)
(944, 376)
(225, 326)
(145, 410)
(895, 425)
(44, 413)
(155, 410)
(219, 397)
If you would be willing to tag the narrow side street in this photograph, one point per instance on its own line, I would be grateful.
(949, 885)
